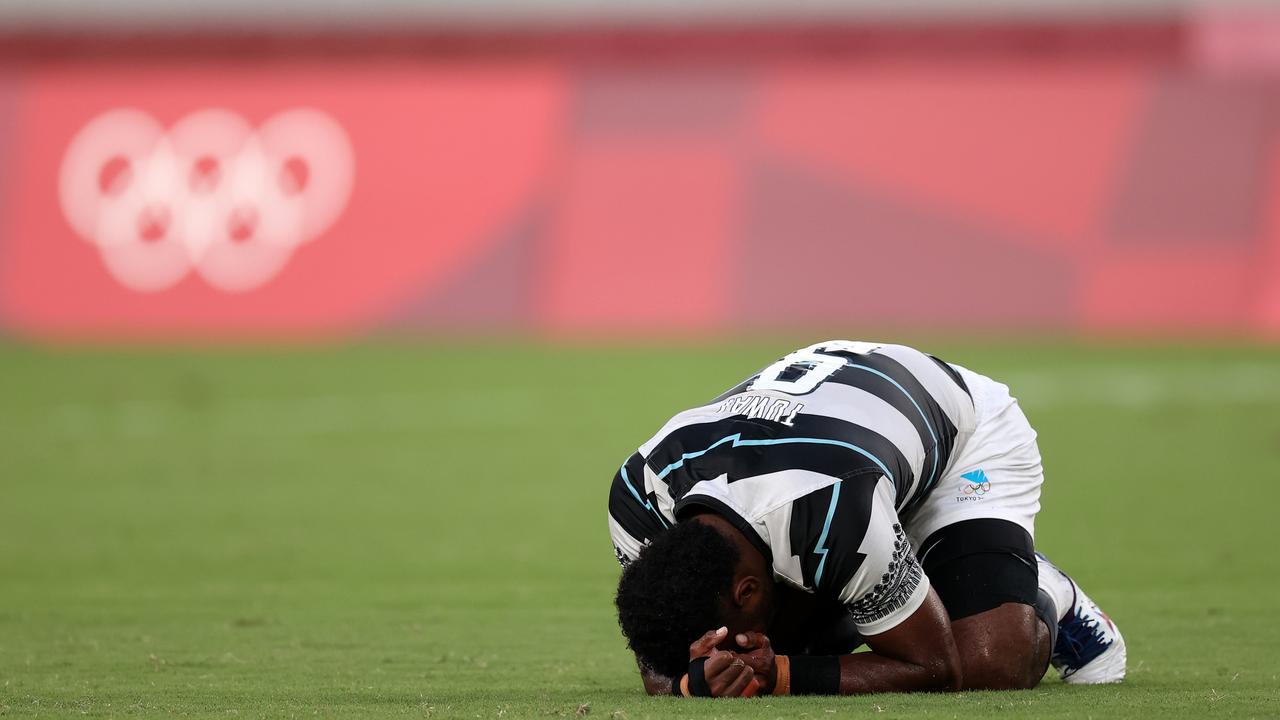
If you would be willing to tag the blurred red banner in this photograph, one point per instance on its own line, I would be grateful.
(209, 195)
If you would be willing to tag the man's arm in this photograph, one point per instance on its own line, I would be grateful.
(919, 654)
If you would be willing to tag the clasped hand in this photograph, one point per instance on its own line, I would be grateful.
(748, 670)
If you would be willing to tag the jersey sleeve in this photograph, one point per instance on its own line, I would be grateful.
(850, 544)
(634, 518)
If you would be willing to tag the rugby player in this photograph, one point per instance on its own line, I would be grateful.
(849, 493)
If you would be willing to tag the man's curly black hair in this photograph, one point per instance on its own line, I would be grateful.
(671, 594)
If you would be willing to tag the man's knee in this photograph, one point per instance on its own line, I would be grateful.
(984, 670)
(1002, 649)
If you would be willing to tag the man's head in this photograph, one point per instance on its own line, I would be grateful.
(699, 575)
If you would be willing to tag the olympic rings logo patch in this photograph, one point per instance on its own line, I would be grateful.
(210, 195)
(974, 484)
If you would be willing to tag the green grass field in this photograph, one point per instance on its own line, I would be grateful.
(409, 530)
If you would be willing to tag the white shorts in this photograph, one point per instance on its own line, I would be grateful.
(996, 472)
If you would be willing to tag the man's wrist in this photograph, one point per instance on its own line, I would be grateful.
(782, 675)
(814, 674)
(680, 687)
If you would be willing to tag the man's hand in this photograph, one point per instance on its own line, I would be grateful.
(758, 654)
(727, 673)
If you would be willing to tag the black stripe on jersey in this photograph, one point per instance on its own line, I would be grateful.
(839, 530)
(953, 374)
(741, 447)
(627, 502)
(937, 433)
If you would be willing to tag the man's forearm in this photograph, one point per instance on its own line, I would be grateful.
(861, 673)
(917, 655)
(868, 672)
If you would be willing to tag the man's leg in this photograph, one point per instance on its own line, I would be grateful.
(1012, 611)
(974, 538)
(1007, 648)
(984, 570)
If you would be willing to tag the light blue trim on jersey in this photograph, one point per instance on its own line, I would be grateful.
(933, 474)
(647, 505)
(737, 441)
(820, 548)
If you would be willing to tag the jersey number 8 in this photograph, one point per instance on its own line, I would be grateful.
(814, 367)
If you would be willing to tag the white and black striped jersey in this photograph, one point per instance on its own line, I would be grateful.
(815, 459)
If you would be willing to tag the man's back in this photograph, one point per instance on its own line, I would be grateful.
(835, 440)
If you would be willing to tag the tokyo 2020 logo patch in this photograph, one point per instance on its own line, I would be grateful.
(210, 194)
(973, 485)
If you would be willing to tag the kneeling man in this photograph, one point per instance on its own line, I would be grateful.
(849, 493)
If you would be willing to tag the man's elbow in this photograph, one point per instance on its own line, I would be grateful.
(656, 684)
